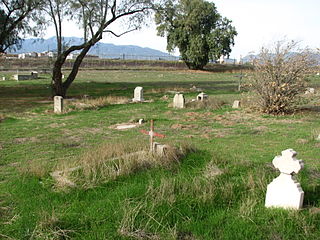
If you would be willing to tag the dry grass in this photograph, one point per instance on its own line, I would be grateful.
(48, 228)
(96, 103)
(111, 160)
(132, 226)
(211, 103)
(38, 168)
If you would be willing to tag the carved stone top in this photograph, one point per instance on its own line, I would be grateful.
(287, 163)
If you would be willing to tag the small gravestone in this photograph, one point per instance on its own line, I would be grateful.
(284, 191)
(138, 94)
(58, 104)
(141, 121)
(178, 101)
(34, 75)
(202, 97)
(236, 104)
(309, 91)
(3, 78)
(160, 149)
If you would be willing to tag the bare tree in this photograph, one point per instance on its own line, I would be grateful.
(95, 17)
(16, 18)
(280, 75)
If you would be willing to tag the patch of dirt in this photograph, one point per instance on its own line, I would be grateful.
(181, 126)
(56, 125)
(301, 141)
(222, 132)
(317, 145)
(27, 139)
(93, 130)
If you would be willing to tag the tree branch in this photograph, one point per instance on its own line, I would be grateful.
(119, 35)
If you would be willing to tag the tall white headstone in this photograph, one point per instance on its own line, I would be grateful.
(178, 101)
(58, 104)
(138, 94)
(284, 191)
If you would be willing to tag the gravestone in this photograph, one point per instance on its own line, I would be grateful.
(160, 149)
(58, 104)
(20, 77)
(202, 97)
(34, 75)
(178, 101)
(284, 191)
(3, 78)
(236, 104)
(309, 91)
(138, 94)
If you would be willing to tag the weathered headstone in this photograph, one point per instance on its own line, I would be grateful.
(236, 104)
(34, 75)
(284, 191)
(3, 78)
(138, 94)
(160, 149)
(178, 101)
(202, 97)
(309, 91)
(20, 77)
(58, 104)
(141, 120)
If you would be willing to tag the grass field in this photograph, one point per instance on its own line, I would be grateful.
(216, 191)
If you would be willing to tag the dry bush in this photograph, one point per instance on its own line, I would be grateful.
(96, 103)
(280, 76)
(211, 103)
(110, 160)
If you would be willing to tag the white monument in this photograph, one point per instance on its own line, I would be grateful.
(236, 104)
(58, 104)
(284, 191)
(178, 101)
(202, 97)
(138, 94)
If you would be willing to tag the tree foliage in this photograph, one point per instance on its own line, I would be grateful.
(197, 29)
(18, 18)
(96, 18)
(280, 75)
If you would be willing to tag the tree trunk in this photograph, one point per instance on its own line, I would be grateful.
(60, 88)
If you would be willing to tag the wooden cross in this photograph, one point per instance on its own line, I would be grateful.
(152, 134)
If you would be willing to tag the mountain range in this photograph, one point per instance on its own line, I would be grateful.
(103, 50)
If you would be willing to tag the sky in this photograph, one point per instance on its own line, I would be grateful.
(258, 23)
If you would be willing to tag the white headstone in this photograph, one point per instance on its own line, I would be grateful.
(202, 97)
(34, 74)
(284, 191)
(141, 121)
(58, 104)
(178, 101)
(236, 104)
(138, 94)
(3, 78)
(310, 91)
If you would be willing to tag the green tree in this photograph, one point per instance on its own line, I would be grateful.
(197, 29)
(19, 18)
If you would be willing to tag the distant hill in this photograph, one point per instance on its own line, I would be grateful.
(103, 50)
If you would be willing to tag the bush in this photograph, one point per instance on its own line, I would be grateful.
(280, 76)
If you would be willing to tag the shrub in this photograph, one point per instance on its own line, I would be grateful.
(280, 76)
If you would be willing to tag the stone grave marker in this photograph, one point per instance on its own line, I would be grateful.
(202, 97)
(58, 104)
(178, 101)
(34, 75)
(284, 191)
(309, 91)
(236, 104)
(138, 94)
(3, 78)
(152, 134)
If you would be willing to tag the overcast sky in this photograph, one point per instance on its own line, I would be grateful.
(258, 22)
